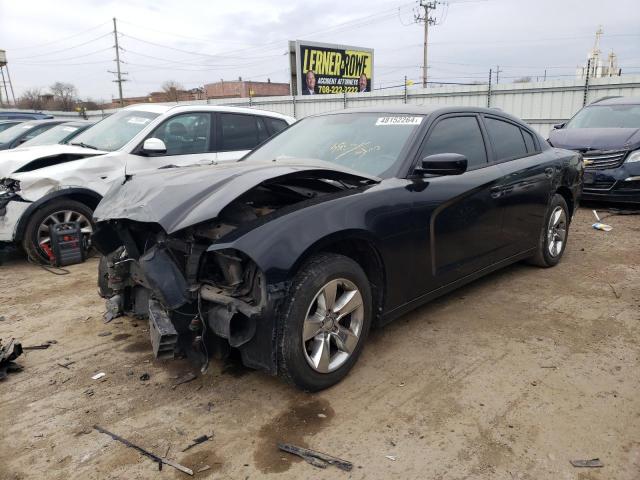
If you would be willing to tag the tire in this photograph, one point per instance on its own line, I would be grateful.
(30, 241)
(546, 256)
(342, 334)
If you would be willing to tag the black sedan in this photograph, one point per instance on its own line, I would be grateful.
(341, 222)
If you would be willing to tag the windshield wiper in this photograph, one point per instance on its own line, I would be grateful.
(85, 145)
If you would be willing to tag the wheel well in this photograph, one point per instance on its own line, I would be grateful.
(365, 254)
(91, 200)
(566, 194)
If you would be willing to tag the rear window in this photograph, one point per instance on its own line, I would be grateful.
(275, 125)
(506, 139)
(240, 132)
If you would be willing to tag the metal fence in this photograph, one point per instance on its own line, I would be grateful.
(541, 104)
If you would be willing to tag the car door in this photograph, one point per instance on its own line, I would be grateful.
(523, 192)
(238, 134)
(188, 137)
(459, 214)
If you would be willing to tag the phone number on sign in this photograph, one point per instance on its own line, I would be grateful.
(336, 89)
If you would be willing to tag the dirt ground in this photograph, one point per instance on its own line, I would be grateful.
(508, 378)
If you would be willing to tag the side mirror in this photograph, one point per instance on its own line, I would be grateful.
(443, 164)
(558, 126)
(154, 146)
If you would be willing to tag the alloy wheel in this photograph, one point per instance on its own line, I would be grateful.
(62, 216)
(333, 325)
(556, 231)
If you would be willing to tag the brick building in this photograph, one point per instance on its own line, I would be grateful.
(241, 89)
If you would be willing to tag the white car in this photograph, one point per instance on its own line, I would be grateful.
(41, 186)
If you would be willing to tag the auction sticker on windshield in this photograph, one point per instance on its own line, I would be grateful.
(139, 120)
(398, 120)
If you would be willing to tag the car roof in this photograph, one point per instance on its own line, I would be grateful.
(78, 123)
(12, 120)
(42, 122)
(206, 108)
(427, 110)
(617, 101)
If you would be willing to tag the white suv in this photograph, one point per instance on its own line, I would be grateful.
(41, 186)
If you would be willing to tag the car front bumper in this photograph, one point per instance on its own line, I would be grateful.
(620, 184)
(10, 215)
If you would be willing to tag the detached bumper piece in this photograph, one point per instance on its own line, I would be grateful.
(164, 337)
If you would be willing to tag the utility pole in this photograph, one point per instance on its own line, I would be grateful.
(427, 20)
(498, 74)
(118, 73)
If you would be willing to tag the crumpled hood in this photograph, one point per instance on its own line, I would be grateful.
(177, 198)
(23, 158)
(595, 138)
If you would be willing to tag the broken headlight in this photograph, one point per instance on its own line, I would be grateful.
(8, 189)
(9, 186)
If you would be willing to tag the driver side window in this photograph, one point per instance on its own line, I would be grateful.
(185, 134)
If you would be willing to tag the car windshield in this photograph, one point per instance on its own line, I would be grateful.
(14, 132)
(607, 116)
(52, 136)
(369, 143)
(4, 126)
(115, 131)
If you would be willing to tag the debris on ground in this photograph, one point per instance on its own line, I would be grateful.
(204, 469)
(593, 463)
(317, 459)
(144, 377)
(66, 365)
(144, 452)
(184, 379)
(391, 457)
(599, 225)
(8, 354)
(104, 334)
(613, 289)
(198, 441)
(42, 346)
(98, 376)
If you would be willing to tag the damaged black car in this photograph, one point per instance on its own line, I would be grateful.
(342, 222)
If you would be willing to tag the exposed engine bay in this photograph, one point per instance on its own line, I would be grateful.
(202, 299)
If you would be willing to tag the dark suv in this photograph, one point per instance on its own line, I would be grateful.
(607, 133)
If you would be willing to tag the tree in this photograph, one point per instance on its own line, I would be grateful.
(31, 99)
(522, 80)
(172, 90)
(64, 95)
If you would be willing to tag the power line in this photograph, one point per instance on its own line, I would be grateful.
(64, 49)
(60, 39)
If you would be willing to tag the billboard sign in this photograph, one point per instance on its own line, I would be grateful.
(322, 68)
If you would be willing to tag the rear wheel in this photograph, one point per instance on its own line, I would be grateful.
(325, 322)
(37, 241)
(554, 234)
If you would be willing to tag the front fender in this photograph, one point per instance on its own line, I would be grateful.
(278, 246)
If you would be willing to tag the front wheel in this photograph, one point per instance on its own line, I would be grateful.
(325, 322)
(37, 241)
(554, 234)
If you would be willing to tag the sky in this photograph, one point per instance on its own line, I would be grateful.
(195, 42)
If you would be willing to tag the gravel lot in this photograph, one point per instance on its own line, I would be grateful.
(508, 378)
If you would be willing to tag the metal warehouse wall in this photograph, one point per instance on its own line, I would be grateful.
(541, 104)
